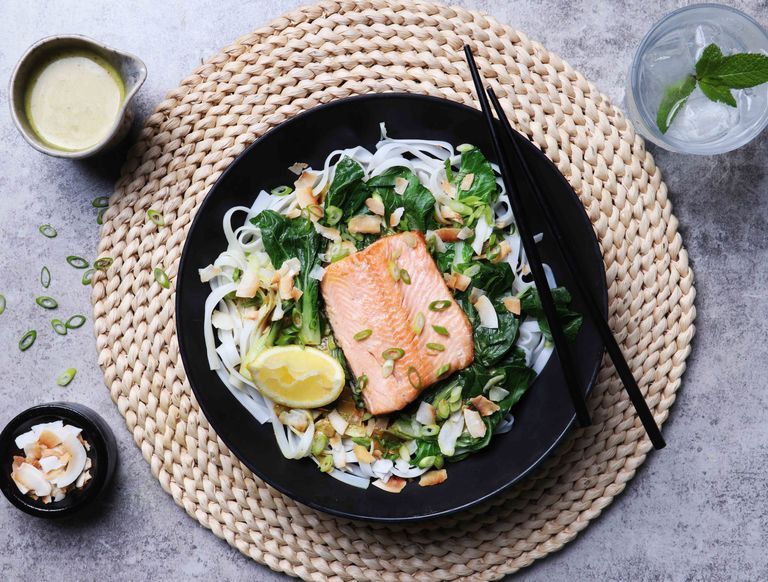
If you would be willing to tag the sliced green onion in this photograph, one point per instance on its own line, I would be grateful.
(88, 277)
(465, 147)
(362, 382)
(418, 323)
(455, 395)
(362, 441)
(443, 409)
(455, 406)
(387, 368)
(103, 263)
(59, 326)
(281, 191)
(100, 216)
(414, 377)
(47, 302)
(460, 207)
(472, 270)
(156, 217)
(404, 453)
(162, 278)
(47, 230)
(319, 443)
(333, 215)
(45, 277)
(405, 277)
(393, 353)
(394, 271)
(75, 321)
(427, 462)
(296, 317)
(488, 212)
(66, 377)
(438, 464)
(326, 463)
(27, 340)
(441, 330)
(435, 346)
(439, 305)
(361, 335)
(448, 169)
(2, 303)
(430, 430)
(442, 370)
(100, 202)
(77, 262)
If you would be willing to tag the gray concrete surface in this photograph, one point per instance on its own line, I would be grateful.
(696, 511)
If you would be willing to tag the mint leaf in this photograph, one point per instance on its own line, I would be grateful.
(717, 93)
(674, 98)
(738, 71)
(709, 59)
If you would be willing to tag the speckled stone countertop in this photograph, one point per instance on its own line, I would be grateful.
(696, 511)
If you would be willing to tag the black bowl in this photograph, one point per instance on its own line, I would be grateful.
(103, 455)
(544, 415)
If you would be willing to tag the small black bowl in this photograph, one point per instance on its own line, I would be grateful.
(103, 455)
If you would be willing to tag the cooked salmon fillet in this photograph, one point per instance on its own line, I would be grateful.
(361, 294)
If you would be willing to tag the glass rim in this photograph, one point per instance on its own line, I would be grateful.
(635, 74)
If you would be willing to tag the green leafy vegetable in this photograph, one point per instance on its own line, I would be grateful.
(66, 377)
(416, 200)
(483, 187)
(493, 278)
(347, 191)
(284, 239)
(491, 345)
(530, 303)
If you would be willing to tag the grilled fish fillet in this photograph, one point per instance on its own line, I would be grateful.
(360, 294)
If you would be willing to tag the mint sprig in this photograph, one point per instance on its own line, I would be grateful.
(716, 75)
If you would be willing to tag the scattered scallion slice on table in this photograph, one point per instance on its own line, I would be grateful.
(75, 321)
(66, 377)
(88, 277)
(45, 277)
(27, 340)
(77, 262)
(162, 278)
(2, 303)
(156, 217)
(47, 231)
(46, 302)
(59, 326)
(103, 263)
(100, 216)
(100, 202)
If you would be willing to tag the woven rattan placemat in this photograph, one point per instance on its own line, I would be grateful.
(334, 50)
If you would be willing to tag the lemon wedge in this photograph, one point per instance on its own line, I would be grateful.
(297, 376)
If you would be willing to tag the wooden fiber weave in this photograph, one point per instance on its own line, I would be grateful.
(329, 51)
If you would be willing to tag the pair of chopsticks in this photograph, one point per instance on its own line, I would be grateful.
(570, 261)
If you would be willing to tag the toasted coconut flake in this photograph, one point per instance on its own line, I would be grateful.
(29, 478)
(504, 250)
(293, 213)
(465, 233)
(425, 414)
(332, 234)
(392, 485)
(448, 188)
(475, 425)
(396, 216)
(298, 167)
(461, 282)
(450, 214)
(209, 273)
(487, 313)
(362, 454)
(375, 205)
(337, 422)
(298, 419)
(433, 478)
(48, 438)
(448, 234)
(76, 465)
(497, 393)
(51, 463)
(365, 224)
(401, 185)
(466, 182)
(82, 480)
(484, 406)
(475, 294)
(526, 269)
(512, 304)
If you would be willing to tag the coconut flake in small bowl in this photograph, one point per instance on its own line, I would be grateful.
(55, 459)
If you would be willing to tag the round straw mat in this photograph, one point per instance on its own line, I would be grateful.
(329, 51)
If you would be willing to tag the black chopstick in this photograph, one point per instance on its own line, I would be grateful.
(532, 253)
(573, 267)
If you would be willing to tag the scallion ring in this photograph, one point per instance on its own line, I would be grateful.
(281, 191)
(88, 277)
(66, 377)
(363, 334)
(393, 353)
(45, 277)
(440, 305)
(46, 302)
(394, 270)
(75, 321)
(156, 217)
(77, 262)
(100, 202)
(27, 340)
(414, 377)
(427, 462)
(441, 330)
(333, 215)
(47, 231)
(436, 347)
(442, 370)
(59, 326)
(418, 323)
(387, 368)
(103, 263)
(162, 278)
(2, 303)
(405, 277)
